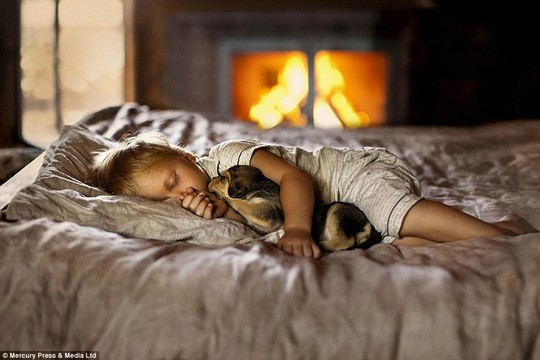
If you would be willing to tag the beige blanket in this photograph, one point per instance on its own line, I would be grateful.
(69, 286)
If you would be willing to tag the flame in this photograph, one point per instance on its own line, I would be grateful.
(285, 98)
(337, 110)
(283, 101)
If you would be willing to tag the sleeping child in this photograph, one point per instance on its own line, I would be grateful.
(373, 179)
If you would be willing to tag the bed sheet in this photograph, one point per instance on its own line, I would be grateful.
(68, 286)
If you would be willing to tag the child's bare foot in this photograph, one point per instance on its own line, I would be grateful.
(515, 224)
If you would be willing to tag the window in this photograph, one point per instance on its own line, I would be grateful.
(72, 62)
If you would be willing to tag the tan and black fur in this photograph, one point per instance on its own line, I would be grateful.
(336, 226)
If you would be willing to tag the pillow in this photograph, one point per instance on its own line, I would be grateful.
(63, 191)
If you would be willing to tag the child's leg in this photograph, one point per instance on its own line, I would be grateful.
(516, 224)
(412, 241)
(433, 221)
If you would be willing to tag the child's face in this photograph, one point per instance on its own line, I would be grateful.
(170, 178)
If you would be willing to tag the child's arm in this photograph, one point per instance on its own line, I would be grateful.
(297, 199)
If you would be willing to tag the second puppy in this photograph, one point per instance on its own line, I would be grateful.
(336, 226)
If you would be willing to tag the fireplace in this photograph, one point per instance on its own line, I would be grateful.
(332, 67)
(322, 83)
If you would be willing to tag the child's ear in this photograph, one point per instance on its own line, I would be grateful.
(191, 157)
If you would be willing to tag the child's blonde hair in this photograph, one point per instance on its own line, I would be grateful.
(115, 168)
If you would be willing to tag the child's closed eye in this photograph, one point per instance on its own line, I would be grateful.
(173, 181)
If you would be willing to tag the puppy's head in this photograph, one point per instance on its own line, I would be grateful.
(236, 182)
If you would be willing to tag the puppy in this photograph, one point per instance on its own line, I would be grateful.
(336, 226)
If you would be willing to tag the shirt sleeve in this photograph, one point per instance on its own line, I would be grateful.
(238, 152)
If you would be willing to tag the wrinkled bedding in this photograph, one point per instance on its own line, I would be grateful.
(71, 282)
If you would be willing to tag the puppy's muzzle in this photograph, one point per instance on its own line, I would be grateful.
(219, 185)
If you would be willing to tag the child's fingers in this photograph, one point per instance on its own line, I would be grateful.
(201, 206)
(192, 201)
(299, 248)
(314, 252)
(199, 203)
(187, 200)
(208, 211)
(211, 196)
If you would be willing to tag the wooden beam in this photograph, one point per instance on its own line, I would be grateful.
(10, 95)
(243, 5)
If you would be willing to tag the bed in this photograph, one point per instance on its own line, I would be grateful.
(129, 278)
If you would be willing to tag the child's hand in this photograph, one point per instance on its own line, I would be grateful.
(219, 207)
(299, 243)
(203, 204)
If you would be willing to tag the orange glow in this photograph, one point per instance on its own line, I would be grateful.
(272, 88)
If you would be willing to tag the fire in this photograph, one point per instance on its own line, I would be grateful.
(332, 107)
(284, 101)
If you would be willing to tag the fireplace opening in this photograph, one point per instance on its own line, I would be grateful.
(301, 85)
(270, 88)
